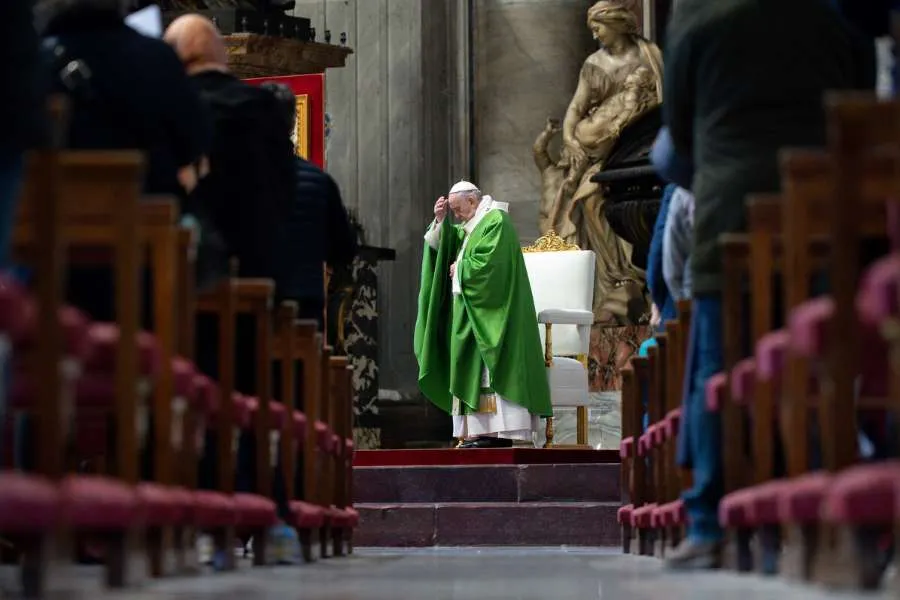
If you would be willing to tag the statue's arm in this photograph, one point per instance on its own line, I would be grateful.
(579, 106)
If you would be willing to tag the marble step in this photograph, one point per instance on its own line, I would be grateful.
(411, 525)
(490, 483)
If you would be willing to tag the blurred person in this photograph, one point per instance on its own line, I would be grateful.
(730, 110)
(317, 230)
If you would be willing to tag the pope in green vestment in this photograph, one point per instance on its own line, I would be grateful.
(476, 339)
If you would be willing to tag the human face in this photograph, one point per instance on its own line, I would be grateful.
(602, 33)
(463, 205)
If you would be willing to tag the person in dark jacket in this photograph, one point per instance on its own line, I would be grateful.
(317, 231)
(731, 103)
(128, 91)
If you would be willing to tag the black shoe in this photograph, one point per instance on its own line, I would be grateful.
(487, 442)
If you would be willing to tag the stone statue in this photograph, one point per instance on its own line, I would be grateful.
(617, 84)
(266, 6)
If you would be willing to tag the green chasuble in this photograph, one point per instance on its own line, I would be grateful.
(491, 324)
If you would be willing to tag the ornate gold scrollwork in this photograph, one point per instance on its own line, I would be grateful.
(550, 242)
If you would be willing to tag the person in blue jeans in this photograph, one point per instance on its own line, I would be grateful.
(731, 103)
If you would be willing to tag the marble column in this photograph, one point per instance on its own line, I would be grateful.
(527, 60)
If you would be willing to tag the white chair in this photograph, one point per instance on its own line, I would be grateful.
(562, 283)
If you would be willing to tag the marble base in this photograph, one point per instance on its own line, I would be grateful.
(604, 423)
(367, 438)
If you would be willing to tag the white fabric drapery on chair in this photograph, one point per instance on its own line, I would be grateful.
(562, 283)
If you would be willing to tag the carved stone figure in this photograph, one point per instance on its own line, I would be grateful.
(617, 84)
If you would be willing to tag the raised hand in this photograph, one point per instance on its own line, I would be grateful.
(440, 209)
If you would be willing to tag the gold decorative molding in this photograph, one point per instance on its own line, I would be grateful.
(550, 242)
(301, 127)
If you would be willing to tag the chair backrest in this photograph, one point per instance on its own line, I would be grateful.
(562, 276)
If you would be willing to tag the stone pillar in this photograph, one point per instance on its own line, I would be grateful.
(528, 56)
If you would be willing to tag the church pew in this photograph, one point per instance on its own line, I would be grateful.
(630, 431)
(642, 472)
(105, 186)
(31, 504)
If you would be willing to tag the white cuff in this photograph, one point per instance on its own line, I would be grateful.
(455, 283)
(433, 235)
(566, 316)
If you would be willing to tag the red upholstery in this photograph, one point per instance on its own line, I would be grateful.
(299, 426)
(17, 310)
(242, 415)
(184, 377)
(809, 326)
(104, 338)
(672, 424)
(214, 509)
(879, 294)
(715, 391)
(323, 437)
(353, 516)
(96, 503)
(677, 512)
(765, 500)
(255, 511)
(644, 444)
(626, 447)
(734, 509)
(657, 517)
(658, 433)
(349, 448)
(307, 516)
(643, 516)
(74, 323)
(208, 395)
(164, 506)
(771, 354)
(28, 503)
(801, 500)
(277, 412)
(338, 517)
(743, 379)
(623, 515)
(337, 445)
(864, 495)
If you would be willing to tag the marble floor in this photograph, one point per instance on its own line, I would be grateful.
(477, 574)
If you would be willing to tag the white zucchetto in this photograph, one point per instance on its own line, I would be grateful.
(464, 186)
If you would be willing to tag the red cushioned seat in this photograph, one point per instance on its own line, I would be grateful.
(743, 379)
(307, 516)
(626, 447)
(771, 354)
(337, 445)
(164, 506)
(672, 423)
(642, 516)
(338, 517)
(658, 517)
(349, 447)
(353, 516)
(809, 325)
(242, 415)
(75, 326)
(715, 391)
(299, 426)
(206, 400)
(677, 513)
(91, 502)
(255, 511)
(623, 515)
(277, 412)
(323, 437)
(104, 338)
(734, 509)
(28, 503)
(765, 501)
(878, 298)
(214, 509)
(184, 377)
(864, 495)
(658, 433)
(17, 310)
(800, 501)
(643, 446)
